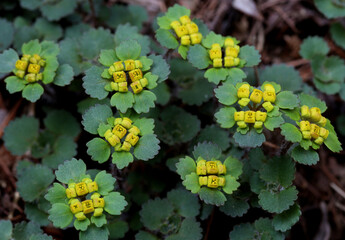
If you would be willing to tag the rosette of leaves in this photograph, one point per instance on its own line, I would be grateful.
(331, 8)
(166, 35)
(304, 150)
(22, 231)
(199, 56)
(53, 144)
(175, 218)
(328, 72)
(250, 135)
(187, 169)
(97, 80)
(52, 10)
(37, 66)
(99, 119)
(74, 171)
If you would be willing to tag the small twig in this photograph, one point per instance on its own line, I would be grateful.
(209, 224)
(337, 189)
(93, 14)
(272, 145)
(285, 147)
(9, 117)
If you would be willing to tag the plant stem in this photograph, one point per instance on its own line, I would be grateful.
(209, 224)
(93, 15)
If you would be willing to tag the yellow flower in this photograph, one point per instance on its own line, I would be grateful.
(315, 114)
(232, 51)
(123, 87)
(269, 96)
(203, 181)
(324, 133)
(181, 31)
(119, 76)
(260, 116)
(243, 91)
(87, 206)
(268, 106)
(256, 96)
(70, 192)
(185, 40)
(269, 87)
(249, 117)
(175, 24)
(81, 189)
(136, 87)
(239, 116)
(92, 187)
(221, 167)
(118, 66)
(196, 38)
(229, 42)
(192, 28)
(201, 167)
(135, 75)
(306, 134)
(241, 124)
(75, 206)
(215, 53)
(217, 62)
(221, 181)
(185, 19)
(322, 122)
(304, 125)
(132, 139)
(305, 112)
(243, 102)
(129, 64)
(21, 65)
(211, 167)
(34, 68)
(212, 181)
(314, 131)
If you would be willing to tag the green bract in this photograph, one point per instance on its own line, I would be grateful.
(85, 199)
(122, 138)
(175, 218)
(37, 65)
(126, 72)
(211, 191)
(223, 64)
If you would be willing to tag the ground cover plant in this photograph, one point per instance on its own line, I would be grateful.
(160, 120)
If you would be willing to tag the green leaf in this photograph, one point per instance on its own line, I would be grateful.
(99, 221)
(234, 207)
(94, 232)
(183, 51)
(63, 148)
(20, 134)
(187, 204)
(32, 92)
(328, 70)
(212, 196)
(313, 46)
(107, 57)
(122, 159)
(163, 22)
(216, 135)
(287, 100)
(185, 166)
(129, 49)
(105, 183)
(60, 215)
(231, 184)
(215, 75)
(207, 151)
(251, 139)
(330, 9)
(94, 84)
(273, 122)
(277, 202)
(81, 225)
(117, 229)
(235, 75)
(243, 231)
(98, 149)
(233, 167)
(191, 182)
(190, 229)
(146, 125)
(250, 55)
(225, 117)
(144, 101)
(6, 229)
(33, 213)
(280, 170)
(32, 47)
(338, 34)
(198, 57)
(160, 67)
(49, 49)
(147, 147)
(24, 229)
(8, 60)
(177, 11)
(292, 114)
(122, 101)
(285, 75)
(115, 203)
(58, 9)
(291, 132)
(329, 88)
(54, 119)
(56, 194)
(64, 75)
(226, 94)
(48, 30)
(166, 38)
(307, 157)
(265, 228)
(94, 116)
(285, 220)
(153, 219)
(94, 40)
(126, 31)
(71, 171)
(141, 235)
(333, 143)
(6, 34)
(312, 101)
(212, 38)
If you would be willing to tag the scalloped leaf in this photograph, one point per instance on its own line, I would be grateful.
(60, 215)
(190, 229)
(198, 57)
(14, 84)
(166, 39)
(115, 203)
(250, 139)
(234, 207)
(94, 232)
(147, 147)
(32, 92)
(129, 49)
(212, 38)
(94, 116)
(122, 159)
(6, 229)
(8, 60)
(71, 171)
(122, 101)
(287, 100)
(105, 183)
(233, 167)
(307, 157)
(56, 194)
(226, 94)
(81, 225)
(144, 101)
(313, 46)
(64, 75)
(187, 204)
(212, 196)
(215, 75)
(285, 220)
(231, 184)
(185, 166)
(312, 101)
(273, 122)
(277, 202)
(225, 117)
(207, 151)
(191, 182)
(94, 84)
(291, 132)
(250, 55)
(99, 150)
(160, 67)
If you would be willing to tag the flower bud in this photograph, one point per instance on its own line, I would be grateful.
(260, 116)
(21, 65)
(305, 112)
(221, 167)
(132, 139)
(196, 38)
(239, 116)
(215, 53)
(304, 125)
(249, 117)
(118, 66)
(306, 135)
(31, 77)
(34, 68)
(185, 19)
(185, 40)
(319, 140)
(203, 181)
(76, 206)
(136, 87)
(119, 131)
(315, 114)
(98, 202)
(181, 31)
(324, 133)
(229, 42)
(221, 181)
(98, 212)
(135, 130)
(256, 96)
(243, 91)
(268, 106)
(143, 82)
(92, 187)
(192, 28)
(243, 102)
(87, 206)
(123, 87)
(258, 124)
(241, 124)
(314, 131)
(212, 181)
(138, 64)
(322, 122)
(201, 168)
(80, 216)
(126, 146)
(175, 24)
(269, 87)
(111, 70)
(217, 62)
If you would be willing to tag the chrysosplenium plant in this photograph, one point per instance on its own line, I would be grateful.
(36, 67)
(81, 199)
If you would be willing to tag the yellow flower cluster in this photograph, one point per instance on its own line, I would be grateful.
(29, 68)
(79, 209)
(132, 67)
(123, 130)
(209, 171)
(268, 96)
(312, 125)
(231, 54)
(257, 118)
(187, 31)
